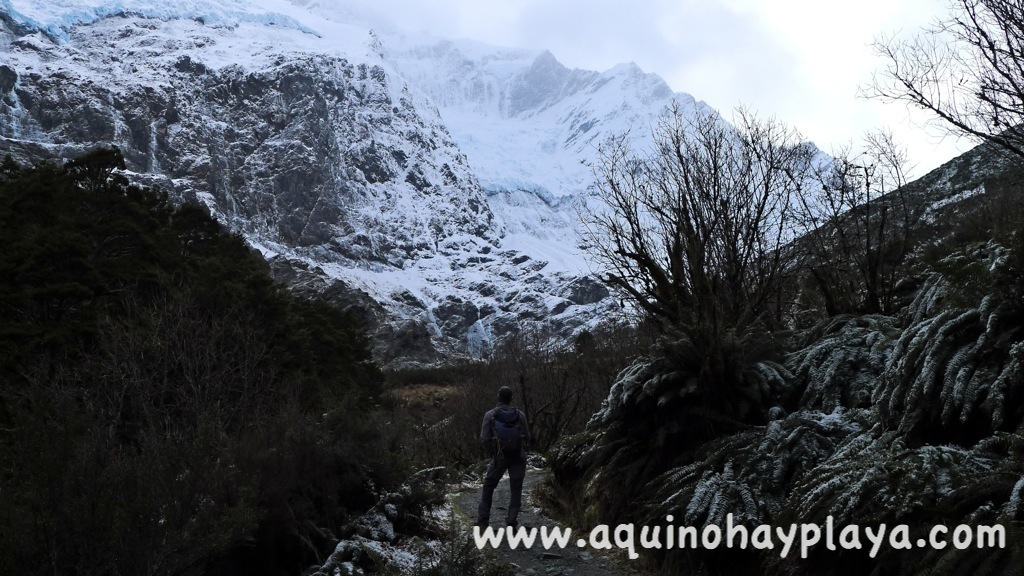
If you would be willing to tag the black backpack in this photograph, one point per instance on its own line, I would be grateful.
(508, 432)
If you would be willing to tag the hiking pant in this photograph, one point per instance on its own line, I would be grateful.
(495, 470)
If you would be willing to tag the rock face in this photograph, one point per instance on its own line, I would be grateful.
(417, 186)
(307, 151)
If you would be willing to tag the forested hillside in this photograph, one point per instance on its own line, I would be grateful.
(165, 407)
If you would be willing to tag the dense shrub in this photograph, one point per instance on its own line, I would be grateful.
(659, 413)
(912, 420)
(165, 407)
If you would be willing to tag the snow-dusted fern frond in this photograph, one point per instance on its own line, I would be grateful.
(956, 369)
(717, 484)
(749, 474)
(628, 386)
(842, 361)
(874, 477)
(929, 299)
(991, 498)
(721, 493)
(661, 409)
(884, 480)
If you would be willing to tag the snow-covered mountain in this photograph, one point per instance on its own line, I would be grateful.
(430, 183)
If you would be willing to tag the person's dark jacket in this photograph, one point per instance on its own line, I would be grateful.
(487, 428)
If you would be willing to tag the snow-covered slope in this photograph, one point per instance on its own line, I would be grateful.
(524, 119)
(530, 126)
(431, 183)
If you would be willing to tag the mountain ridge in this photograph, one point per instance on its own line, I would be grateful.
(439, 181)
(324, 158)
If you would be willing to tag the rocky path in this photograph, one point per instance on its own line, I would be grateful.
(535, 561)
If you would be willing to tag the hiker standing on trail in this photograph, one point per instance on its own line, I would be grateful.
(507, 435)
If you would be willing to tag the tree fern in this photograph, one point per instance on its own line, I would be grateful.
(915, 420)
(661, 409)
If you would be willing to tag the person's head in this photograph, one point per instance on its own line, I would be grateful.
(505, 395)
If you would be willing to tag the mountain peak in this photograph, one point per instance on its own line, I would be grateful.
(628, 68)
(647, 83)
(546, 58)
(546, 81)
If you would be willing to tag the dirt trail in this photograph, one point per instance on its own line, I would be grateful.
(570, 561)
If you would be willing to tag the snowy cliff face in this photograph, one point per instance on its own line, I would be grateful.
(430, 184)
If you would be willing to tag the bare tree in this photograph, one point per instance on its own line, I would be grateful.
(859, 219)
(968, 69)
(693, 232)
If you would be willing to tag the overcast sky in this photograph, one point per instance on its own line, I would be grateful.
(799, 60)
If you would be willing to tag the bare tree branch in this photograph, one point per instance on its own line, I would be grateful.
(859, 221)
(967, 70)
(693, 232)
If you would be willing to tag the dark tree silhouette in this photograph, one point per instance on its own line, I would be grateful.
(693, 232)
